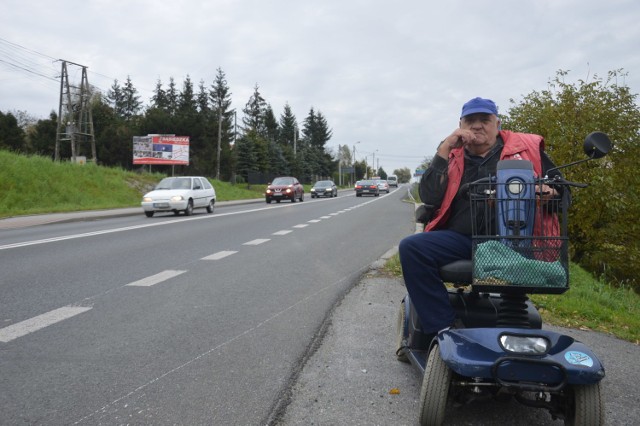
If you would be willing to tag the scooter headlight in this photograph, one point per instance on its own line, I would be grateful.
(533, 345)
(515, 186)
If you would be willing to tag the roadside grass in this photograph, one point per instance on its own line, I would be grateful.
(35, 185)
(589, 304)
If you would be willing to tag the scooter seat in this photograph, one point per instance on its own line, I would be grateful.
(458, 272)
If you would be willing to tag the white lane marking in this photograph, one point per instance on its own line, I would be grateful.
(314, 221)
(155, 279)
(256, 242)
(25, 327)
(283, 232)
(219, 255)
(163, 223)
(302, 225)
(147, 225)
(325, 217)
(334, 214)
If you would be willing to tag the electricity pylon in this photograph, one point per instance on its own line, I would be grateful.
(75, 121)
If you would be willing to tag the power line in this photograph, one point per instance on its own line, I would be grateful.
(24, 68)
(27, 49)
(30, 62)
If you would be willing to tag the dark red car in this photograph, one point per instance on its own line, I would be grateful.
(367, 187)
(284, 188)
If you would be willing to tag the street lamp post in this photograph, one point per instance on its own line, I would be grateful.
(295, 139)
(373, 163)
(339, 165)
(354, 161)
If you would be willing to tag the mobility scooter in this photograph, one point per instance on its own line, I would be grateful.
(498, 348)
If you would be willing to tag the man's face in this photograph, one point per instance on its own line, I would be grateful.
(485, 128)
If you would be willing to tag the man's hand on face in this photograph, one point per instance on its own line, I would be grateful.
(459, 138)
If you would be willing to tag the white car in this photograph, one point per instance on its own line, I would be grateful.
(176, 194)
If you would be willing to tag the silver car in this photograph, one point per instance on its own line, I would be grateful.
(180, 194)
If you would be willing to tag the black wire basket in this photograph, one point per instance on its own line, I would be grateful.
(519, 240)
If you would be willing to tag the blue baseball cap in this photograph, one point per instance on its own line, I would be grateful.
(479, 105)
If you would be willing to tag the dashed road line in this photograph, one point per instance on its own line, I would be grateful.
(219, 255)
(283, 232)
(155, 279)
(256, 242)
(25, 327)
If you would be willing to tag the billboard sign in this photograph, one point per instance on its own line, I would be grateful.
(161, 149)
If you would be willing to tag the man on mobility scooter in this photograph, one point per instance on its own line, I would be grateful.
(470, 153)
(495, 209)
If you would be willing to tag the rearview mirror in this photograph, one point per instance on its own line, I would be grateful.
(597, 145)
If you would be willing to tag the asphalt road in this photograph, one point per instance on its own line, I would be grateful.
(177, 320)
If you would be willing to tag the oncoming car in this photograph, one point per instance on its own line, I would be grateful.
(180, 194)
(367, 187)
(284, 188)
(324, 188)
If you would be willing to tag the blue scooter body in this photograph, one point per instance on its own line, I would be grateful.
(477, 353)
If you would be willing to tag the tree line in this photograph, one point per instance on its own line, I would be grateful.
(259, 145)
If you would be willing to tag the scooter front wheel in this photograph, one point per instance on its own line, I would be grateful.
(435, 389)
(587, 407)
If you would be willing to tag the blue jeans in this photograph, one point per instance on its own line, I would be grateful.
(421, 256)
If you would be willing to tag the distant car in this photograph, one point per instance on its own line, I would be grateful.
(180, 194)
(367, 187)
(392, 180)
(383, 185)
(284, 188)
(324, 188)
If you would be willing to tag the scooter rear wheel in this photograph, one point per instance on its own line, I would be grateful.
(435, 389)
(588, 408)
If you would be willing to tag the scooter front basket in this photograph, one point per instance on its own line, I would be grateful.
(519, 240)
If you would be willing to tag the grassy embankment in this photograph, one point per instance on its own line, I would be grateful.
(33, 185)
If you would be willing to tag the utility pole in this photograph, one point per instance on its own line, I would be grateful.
(295, 139)
(339, 165)
(354, 161)
(219, 141)
(75, 121)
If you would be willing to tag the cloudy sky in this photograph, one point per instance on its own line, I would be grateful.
(389, 76)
